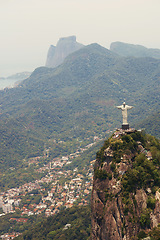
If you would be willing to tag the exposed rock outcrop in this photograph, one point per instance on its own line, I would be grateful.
(125, 198)
(50, 56)
(64, 47)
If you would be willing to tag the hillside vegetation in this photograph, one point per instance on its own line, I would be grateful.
(73, 224)
(75, 100)
(151, 124)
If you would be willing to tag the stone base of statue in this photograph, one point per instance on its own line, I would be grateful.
(125, 126)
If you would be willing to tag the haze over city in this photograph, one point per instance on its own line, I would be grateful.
(29, 27)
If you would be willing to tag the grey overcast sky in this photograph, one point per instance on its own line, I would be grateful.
(29, 27)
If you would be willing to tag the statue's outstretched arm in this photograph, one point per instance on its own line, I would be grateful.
(119, 107)
(129, 107)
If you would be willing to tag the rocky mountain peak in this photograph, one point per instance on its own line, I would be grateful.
(64, 47)
(125, 199)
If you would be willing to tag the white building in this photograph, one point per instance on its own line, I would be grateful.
(7, 208)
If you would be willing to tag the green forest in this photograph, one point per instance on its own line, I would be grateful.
(73, 224)
(76, 100)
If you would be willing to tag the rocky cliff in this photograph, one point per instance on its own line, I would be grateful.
(125, 200)
(64, 47)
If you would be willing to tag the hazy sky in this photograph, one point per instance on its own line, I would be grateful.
(29, 27)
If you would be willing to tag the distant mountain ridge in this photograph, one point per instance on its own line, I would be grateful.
(67, 45)
(64, 47)
(131, 50)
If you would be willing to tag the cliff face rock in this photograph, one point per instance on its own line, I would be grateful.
(64, 47)
(50, 56)
(125, 198)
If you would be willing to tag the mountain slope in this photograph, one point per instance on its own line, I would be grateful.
(70, 224)
(78, 98)
(151, 124)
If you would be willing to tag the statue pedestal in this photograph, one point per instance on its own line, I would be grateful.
(125, 126)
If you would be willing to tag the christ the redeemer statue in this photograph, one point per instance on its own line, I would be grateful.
(124, 109)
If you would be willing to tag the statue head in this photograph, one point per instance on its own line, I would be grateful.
(124, 104)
